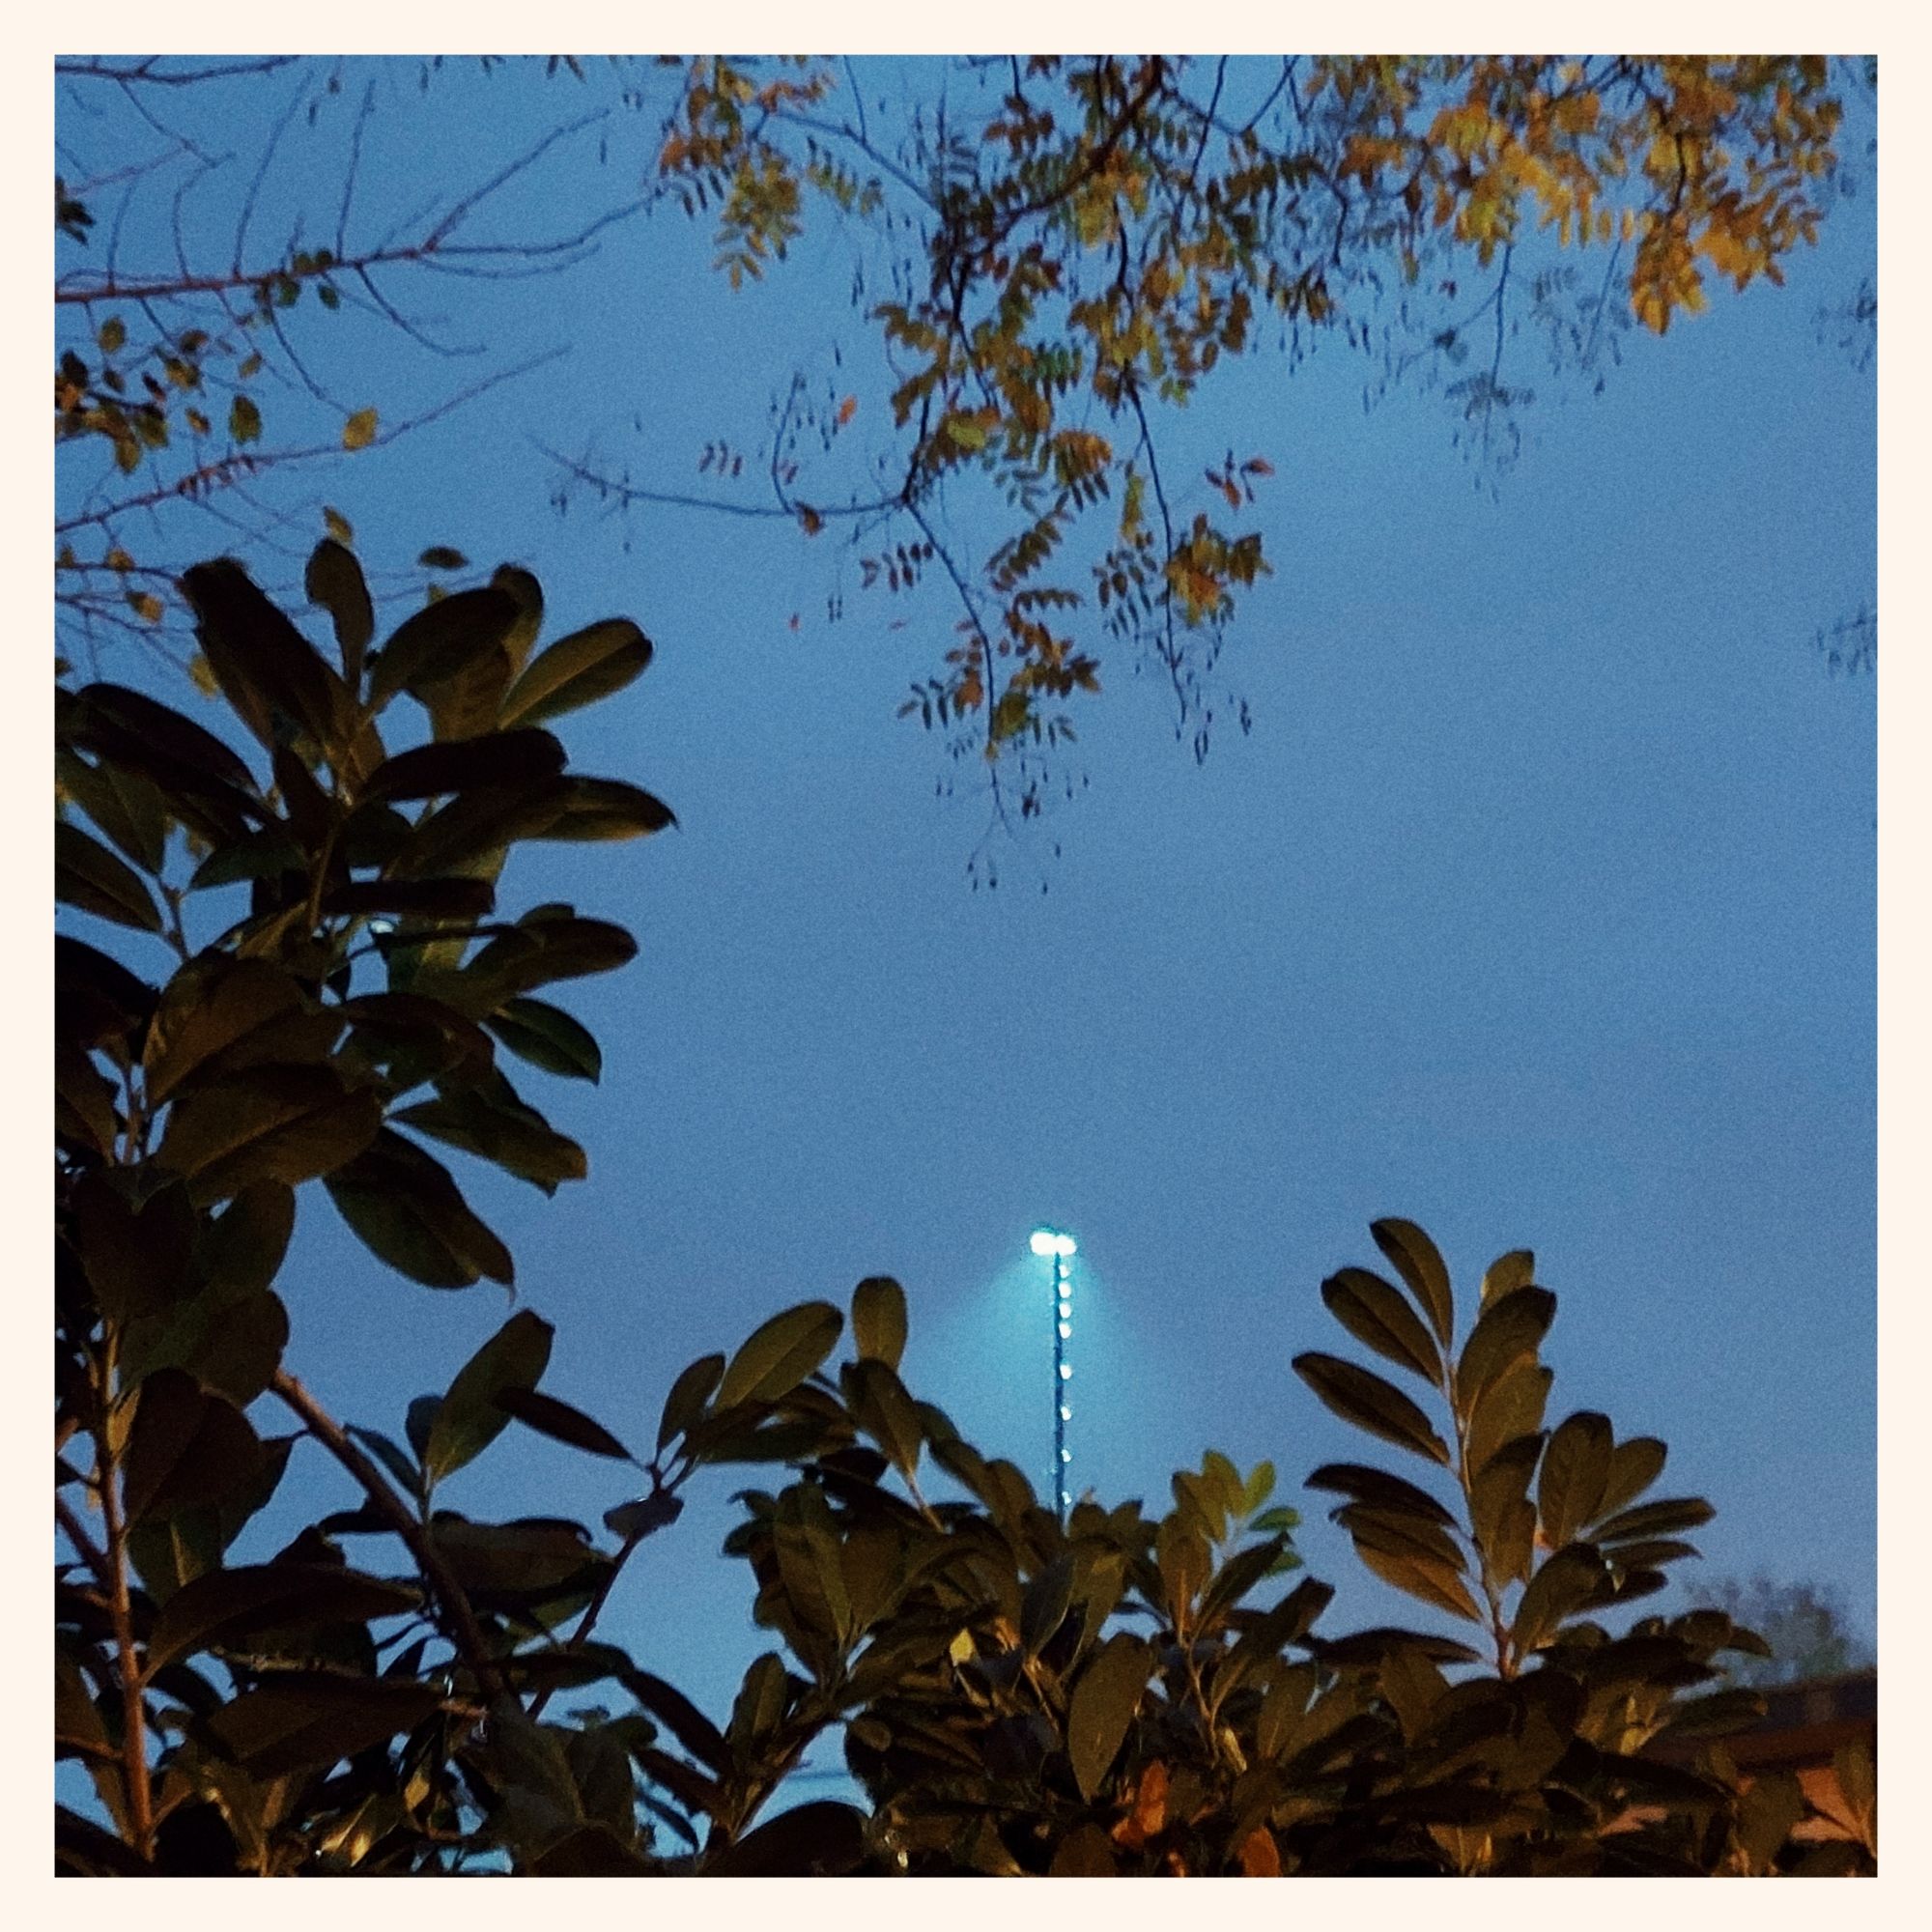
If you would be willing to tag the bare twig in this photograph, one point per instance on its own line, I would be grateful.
(146, 73)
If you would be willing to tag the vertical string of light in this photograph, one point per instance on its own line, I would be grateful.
(1051, 1245)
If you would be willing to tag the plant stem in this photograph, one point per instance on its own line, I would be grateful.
(120, 1610)
(460, 1620)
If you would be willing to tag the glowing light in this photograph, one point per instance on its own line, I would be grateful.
(1042, 1241)
(1066, 1331)
(1066, 1415)
(1066, 1373)
(1051, 1241)
(1066, 1455)
(1066, 1310)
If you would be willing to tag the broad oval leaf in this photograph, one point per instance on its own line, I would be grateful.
(549, 1038)
(604, 809)
(286, 1123)
(1507, 1273)
(780, 1355)
(1567, 1584)
(879, 1318)
(577, 670)
(460, 764)
(1420, 1576)
(212, 1002)
(1509, 1329)
(441, 641)
(471, 1415)
(91, 877)
(1634, 1466)
(1104, 1701)
(1570, 1486)
(226, 1605)
(311, 1720)
(333, 580)
(406, 1209)
(1371, 1404)
(186, 1448)
(687, 1397)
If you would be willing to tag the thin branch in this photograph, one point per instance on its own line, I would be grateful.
(229, 471)
(625, 494)
(120, 1613)
(145, 71)
(459, 1626)
(90, 1553)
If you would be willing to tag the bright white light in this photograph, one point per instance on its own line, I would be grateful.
(1066, 1310)
(1064, 1245)
(1066, 1455)
(1066, 1415)
(1067, 1331)
(1043, 1240)
(1066, 1373)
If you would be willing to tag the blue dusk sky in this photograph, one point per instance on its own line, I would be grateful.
(1538, 906)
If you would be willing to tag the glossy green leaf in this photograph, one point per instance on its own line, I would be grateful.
(1420, 1576)
(441, 641)
(471, 1415)
(494, 759)
(125, 807)
(268, 670)
(209, 1006)
(681, 1717)
(1511, 1407)
(460, 901)
(577, 670)
(312, 1719)
(780, 1354)
(286, 1123)
(488, 1119)
(1565, 1585)
(883, 1410)
(138, 1261)
(333, 580)
(228, 1605)
(186, 1447)
(607, 808)
(406, 1209)
(548, 1037)
(820, 1838)
(89, 876)
(95, 999)
(1380, 1490)
(687, 1397)
(558, 1420)
(1105, 1697)
(1659, 1518)
(879, 1319)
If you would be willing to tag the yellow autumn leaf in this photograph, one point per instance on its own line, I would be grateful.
(359, 431)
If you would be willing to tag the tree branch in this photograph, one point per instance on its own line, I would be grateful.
(460, 1620)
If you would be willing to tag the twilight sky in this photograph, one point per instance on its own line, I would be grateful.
(1538, 907)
